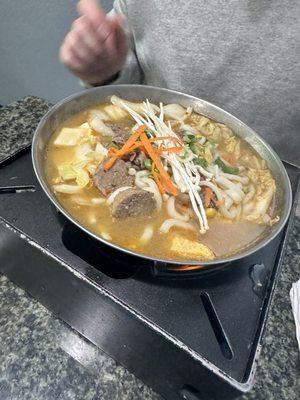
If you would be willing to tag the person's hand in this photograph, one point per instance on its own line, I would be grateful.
(96, 46)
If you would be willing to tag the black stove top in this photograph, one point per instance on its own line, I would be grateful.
(216, 319)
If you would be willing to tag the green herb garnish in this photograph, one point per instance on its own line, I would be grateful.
(189, 138)
(197, 149)
(225, 168)
(185, 151)
(201, 161)
(186, 139)
(148, 163)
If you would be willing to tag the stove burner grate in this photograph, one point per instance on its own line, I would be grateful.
(187, 338)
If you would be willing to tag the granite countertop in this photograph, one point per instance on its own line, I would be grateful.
(42, 358)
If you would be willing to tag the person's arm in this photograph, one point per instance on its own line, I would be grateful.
(97, 48)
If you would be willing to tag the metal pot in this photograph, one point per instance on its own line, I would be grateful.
(79, 101)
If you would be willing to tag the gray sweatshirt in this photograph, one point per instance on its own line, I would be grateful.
(242, 55)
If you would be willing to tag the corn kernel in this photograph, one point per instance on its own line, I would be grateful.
(210, 212)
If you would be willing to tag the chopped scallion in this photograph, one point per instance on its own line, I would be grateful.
(225, 168)
(201, 161)
(148, 163)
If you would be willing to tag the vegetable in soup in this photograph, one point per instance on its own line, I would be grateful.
(161, 180)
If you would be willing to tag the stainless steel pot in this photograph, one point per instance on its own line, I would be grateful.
(77, 102)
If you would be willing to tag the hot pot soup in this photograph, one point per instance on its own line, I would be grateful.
(161, 180)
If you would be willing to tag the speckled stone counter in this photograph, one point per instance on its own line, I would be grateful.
(42, 358)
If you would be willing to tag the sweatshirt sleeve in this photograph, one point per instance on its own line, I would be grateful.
(131, 71)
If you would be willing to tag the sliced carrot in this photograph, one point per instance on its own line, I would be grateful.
(112, 151)
(158, 182)
(171, 188)
(219, 203)
(128, 147)
(208, 196)
(169, 149)
(110, 163)
(156, 179)
(132, 139)
(161, 177)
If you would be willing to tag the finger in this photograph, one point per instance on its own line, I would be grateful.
(79, 49)
(87, 35)
(110, 47)
(68, 58)
(96, 15)
(119, 20)
(92, 10)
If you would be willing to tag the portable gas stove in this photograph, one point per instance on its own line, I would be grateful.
(187, 338)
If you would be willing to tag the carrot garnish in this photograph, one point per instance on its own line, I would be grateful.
(208, 196)
(133, 138)
(156, 179)
(128, 147)
(162, 149)
(220, 202)
(152, 153)
(110, 163)
(139, 139)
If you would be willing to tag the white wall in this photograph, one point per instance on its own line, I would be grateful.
(31, 32)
